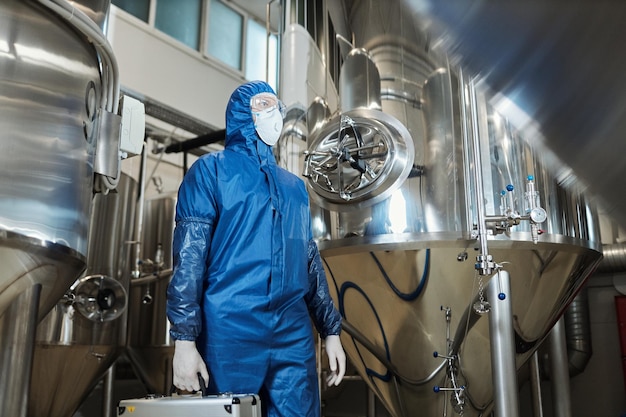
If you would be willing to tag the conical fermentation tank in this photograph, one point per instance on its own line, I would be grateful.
(430, 210)
(50, 89)
(149, 346)
(46, 187)
(85, 332)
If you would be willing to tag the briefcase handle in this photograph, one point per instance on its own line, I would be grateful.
(203, 387)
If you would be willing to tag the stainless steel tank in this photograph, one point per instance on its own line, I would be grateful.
(431, 212)
(50, 84)
(540, 72)
(149, 347)
(45, 167)
(85, 332)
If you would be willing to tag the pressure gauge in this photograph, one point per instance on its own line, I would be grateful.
(358, 159)
(538, 215)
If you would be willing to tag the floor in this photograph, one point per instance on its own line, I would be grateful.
(347, 400)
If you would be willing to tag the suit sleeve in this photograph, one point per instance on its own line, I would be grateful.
(321, 307)
(195, 214)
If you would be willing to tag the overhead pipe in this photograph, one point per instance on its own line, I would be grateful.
(207, 139)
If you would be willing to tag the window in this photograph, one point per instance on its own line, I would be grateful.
(138, 8)
(225, 34)
(257, 56)
(335, 59)
(180, 19)
(297, 12)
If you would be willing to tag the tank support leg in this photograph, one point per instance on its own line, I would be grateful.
(502, 341)
(18, 325)
(535, 386)
(559, 370)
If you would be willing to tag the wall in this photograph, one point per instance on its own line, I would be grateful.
(166, 70)
(151, 64)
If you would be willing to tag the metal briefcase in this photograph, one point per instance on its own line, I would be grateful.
(222, 405)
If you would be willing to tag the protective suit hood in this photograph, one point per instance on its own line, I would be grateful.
(240, 131)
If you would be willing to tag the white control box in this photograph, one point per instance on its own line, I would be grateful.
(133, 128)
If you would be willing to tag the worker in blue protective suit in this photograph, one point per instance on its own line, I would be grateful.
(248, 276)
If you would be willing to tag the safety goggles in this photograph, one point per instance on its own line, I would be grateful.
(265, 103)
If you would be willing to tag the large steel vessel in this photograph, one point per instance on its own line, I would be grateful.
(85, 332)
(149, 346)
(437, 222)
(54, 81)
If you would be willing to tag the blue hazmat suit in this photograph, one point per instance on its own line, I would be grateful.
(248, 276)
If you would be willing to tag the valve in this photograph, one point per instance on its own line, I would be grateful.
(457, 397)
(510, 217)
(536, 214)
(484, 264)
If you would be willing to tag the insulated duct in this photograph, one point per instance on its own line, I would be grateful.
(577, 328)
(614, 259)
(578, 333)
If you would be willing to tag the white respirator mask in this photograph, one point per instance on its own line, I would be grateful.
(268, 117)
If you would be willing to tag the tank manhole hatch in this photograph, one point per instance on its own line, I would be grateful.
(358, 159)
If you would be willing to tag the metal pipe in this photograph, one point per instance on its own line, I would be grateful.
(148, 279)
(559, 371)
(268, 33)
(535, 385)
(371, 402)
(108, 400)
(466, 141)
(80, 21)
(18, 325)
(110, 72)
(380, 356)
(478, 176)
(502, 341)
(139, 220)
